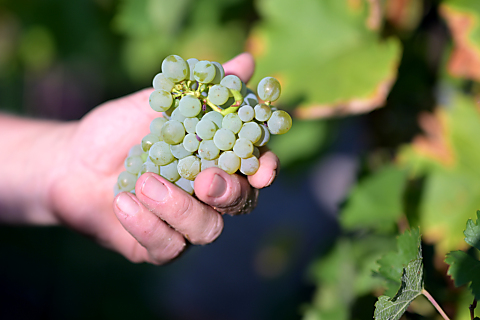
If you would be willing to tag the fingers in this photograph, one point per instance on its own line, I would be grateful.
(197, 222)
(267, 171)
(229, 194)
(159, 242)
(242, 66)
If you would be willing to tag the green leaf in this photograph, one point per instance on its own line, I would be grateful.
(472, 232)
(464, 269)
(332, 63)
(388, 308)
(448, 156)
(463, 19)
(376, 202)
(304, 140)
(392, 264)
(345, 274)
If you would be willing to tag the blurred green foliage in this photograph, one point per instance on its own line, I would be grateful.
(412, 65)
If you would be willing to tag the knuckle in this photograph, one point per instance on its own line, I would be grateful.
(182, 209)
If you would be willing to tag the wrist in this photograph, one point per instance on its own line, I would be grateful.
(32, 152)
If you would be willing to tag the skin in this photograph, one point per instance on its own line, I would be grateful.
(62, 173)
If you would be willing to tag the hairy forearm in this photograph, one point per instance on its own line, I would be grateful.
(29, 151)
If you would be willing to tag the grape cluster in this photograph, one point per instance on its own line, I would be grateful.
(208, 120)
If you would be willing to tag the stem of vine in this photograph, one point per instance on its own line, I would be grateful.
(435, 304)
(472, 309)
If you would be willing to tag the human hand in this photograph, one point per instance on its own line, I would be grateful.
(152, 225)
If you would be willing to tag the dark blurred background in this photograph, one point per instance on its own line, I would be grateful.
(355, 76)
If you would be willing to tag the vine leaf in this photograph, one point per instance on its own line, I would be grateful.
(393, 263)
(446, 157)
(341, 49)
(388, 308)
(463, 268)
(376, 202)
(472, 232)
(462, 18)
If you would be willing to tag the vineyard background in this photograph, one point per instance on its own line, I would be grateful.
(385, 100)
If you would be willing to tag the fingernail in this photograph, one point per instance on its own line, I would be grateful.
(127, 205)
(218, 187)
(154, 189)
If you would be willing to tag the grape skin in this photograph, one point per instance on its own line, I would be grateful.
(160, 154)
(133, 164)
(218, 94)
(175, 68)
(249, 166)
(148, 141)
(161, 82)
(206, 129)
(250, 131)
(229, 162)
(190, 124)
(215, 117)
(262, 112)
(264, 138)
(232, 82)
(190, 142)
(208, 150)
(160, 100)
(280, 122)
(246, 113)
(204, 71)
(190, 106)
(232, 122)
(126, 181)
(189, 167)
(170, 171)
(224, 139)
(156, 126)
(173, 132)
(269, 89)
(243, 148)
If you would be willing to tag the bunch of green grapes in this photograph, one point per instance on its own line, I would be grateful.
(208, 120)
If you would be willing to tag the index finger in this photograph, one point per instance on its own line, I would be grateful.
(198, 222)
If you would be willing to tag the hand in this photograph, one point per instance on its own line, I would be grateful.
(154, 224)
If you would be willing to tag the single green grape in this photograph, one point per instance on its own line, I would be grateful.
(173, 132)
(218, 94)
(208, 150)
(251, 131)
(190, 106)
(160, 100)
(229, 162)
(269, 89)
(204, 71)
(161, 82)
(175, 68)
(206, 129)
(189, 167)
(224, 139)
(160, 154)
(232, 122)
(249, 166)
(280, 122)
(243, 148)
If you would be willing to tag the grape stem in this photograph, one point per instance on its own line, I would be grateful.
(435, 304)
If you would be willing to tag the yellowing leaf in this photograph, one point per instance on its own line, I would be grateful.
(326, 57)
(449, 156)
(463, 19)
